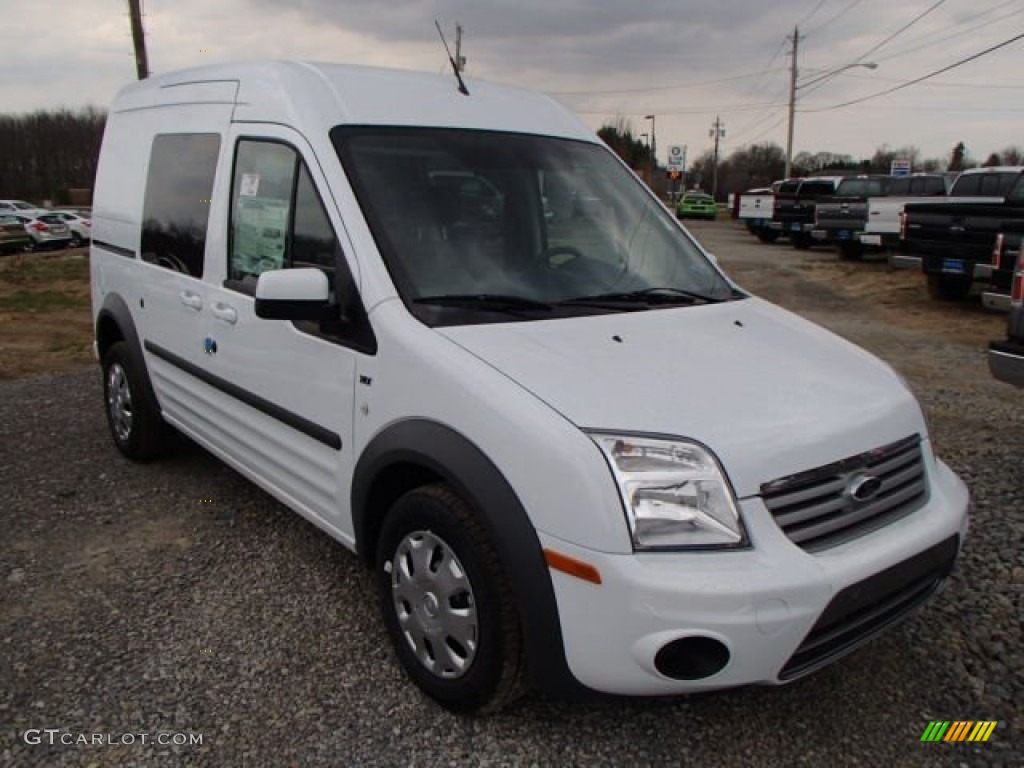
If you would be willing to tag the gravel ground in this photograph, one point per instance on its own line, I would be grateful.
(178, 598)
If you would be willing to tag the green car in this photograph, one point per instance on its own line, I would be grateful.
(696, 205)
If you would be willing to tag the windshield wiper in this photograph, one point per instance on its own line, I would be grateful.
(647, 296)
(494, 302)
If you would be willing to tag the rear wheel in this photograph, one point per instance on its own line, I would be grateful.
(949, 287)
(767, 235)
(447, 603)
(801, 241)
(136, 426)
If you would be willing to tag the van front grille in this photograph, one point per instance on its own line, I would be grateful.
(830, 505)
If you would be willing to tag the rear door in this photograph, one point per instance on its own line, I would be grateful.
(168, 295)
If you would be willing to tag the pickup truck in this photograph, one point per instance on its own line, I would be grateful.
(954, 238)
(1006, 358)
(882, 228)
(795, 202)
(841, 221)
(755, 211)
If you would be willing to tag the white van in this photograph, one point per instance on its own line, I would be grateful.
(458, 335)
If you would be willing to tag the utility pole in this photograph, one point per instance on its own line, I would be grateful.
(654, 141)
(792, 102)
(460, 60)
(717, 132)
(139, 39)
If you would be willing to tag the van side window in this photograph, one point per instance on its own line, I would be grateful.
(277, 218)
(260, 207)
(176, 210)
(968, 184)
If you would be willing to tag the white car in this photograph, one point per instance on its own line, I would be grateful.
(47, 230)
(576, 455)
(21, 208)
(80, 226)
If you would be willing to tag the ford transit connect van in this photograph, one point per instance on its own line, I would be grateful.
(576, 455)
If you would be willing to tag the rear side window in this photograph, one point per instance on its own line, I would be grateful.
(985, 184)
(900, 186)
(176, 210)
(810, 188)
(928, 185)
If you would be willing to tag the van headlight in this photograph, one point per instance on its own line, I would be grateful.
(674, 493)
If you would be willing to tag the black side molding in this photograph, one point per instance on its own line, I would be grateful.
(116, 249)
(293, 420)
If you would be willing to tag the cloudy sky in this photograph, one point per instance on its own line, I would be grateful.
(684, 61)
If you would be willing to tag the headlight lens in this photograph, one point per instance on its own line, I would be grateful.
(675, 495)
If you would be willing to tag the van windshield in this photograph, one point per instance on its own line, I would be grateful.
(474, 224)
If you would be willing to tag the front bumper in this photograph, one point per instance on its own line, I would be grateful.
(1006, 361)
(766, 606)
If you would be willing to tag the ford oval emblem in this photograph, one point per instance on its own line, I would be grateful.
(864, 487)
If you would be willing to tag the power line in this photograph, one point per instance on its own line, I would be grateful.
(806, 18)
(900, 31)
(695, 110)
(989, 86)
(921, 79)
(837, 17)
(821, 81)
(649, 89)
(959, 33)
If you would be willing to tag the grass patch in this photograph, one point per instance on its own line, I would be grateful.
(41, 301)
(26, 269)
(45, 322)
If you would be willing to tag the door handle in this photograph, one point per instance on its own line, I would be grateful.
(191, 300)
(225, 313)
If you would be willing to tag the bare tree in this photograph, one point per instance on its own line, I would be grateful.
(45, 154)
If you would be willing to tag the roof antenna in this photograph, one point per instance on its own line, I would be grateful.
(455, 67)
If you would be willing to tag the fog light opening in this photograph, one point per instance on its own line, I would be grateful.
(691, 658)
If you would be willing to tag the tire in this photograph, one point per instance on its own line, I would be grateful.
(136, 426)
(801, 242)
(949, 287)
(767, 235)
(850, 251)
(75, 242)
(475, 663)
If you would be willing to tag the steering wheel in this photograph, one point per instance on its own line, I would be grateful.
(557, 256)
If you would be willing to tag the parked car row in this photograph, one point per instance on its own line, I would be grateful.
(24, 226)
(959, 231)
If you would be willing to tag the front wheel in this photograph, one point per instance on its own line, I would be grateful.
(802, 241)
(767, 235)
(447, 603)
(949, 287)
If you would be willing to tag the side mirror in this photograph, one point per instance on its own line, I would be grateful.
(294, 294)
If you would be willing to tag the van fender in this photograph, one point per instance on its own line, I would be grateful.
(114, 323)
(422, 451)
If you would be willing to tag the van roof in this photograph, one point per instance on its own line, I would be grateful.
(323, 95)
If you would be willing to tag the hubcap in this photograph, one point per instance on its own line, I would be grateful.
(434, 603)
(119, 402)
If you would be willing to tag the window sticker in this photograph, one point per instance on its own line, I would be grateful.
(250, 186)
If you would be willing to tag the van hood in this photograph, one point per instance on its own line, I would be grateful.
(768, 392)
